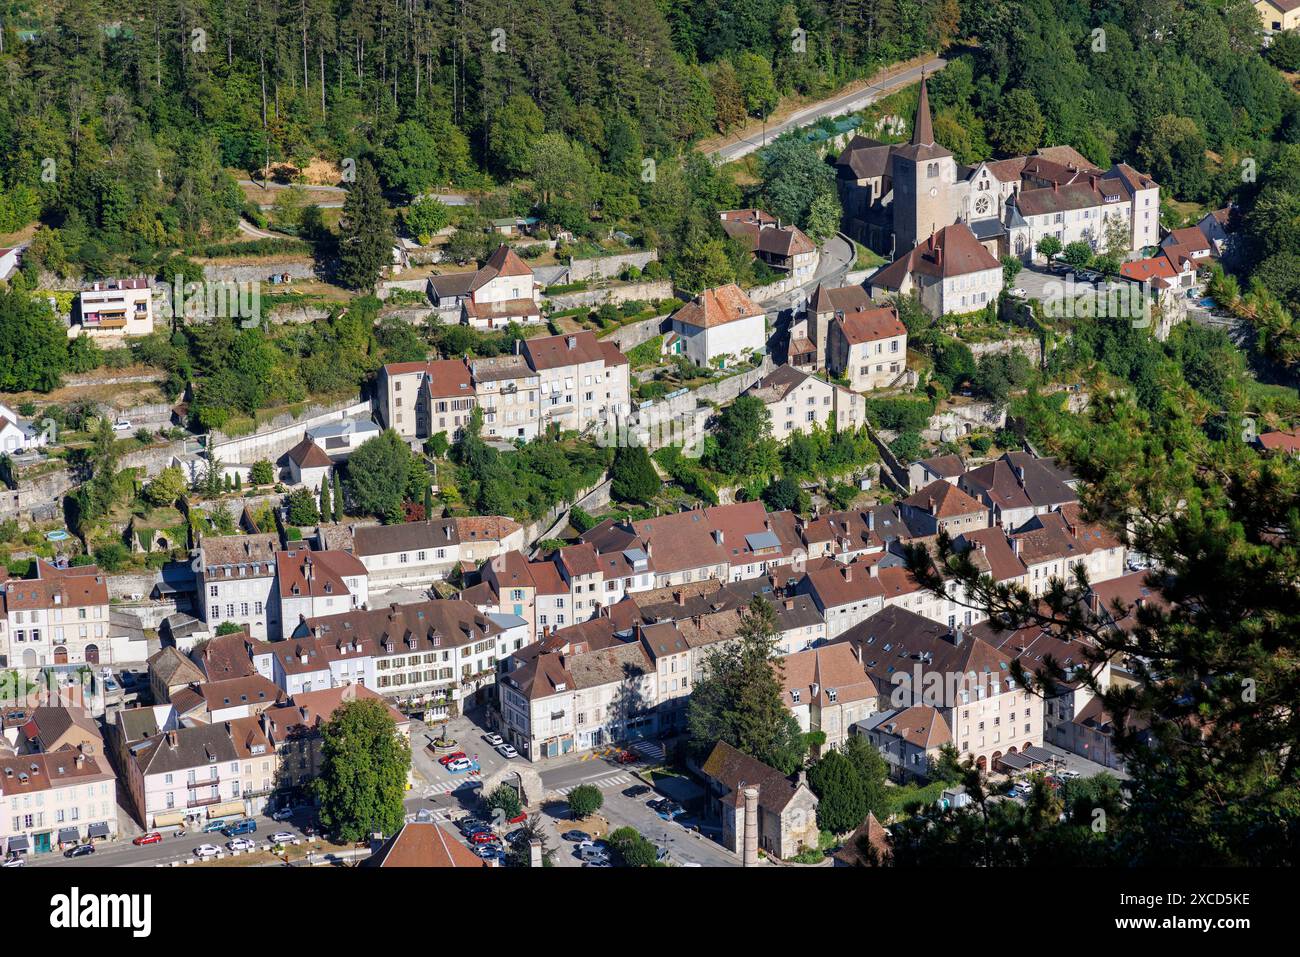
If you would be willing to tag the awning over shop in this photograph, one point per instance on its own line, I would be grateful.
(69, 835)
(19, 844)
(1041, 755)
(227, 809)
(169, 819)
(97, 830)
(1016, 762)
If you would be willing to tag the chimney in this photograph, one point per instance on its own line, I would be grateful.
(679, 597)
(750, 842)
(80, 760)
(173, 739)
(874, 570)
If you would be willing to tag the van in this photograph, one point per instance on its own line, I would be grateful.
(235, 828)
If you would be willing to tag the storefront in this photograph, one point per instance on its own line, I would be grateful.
(69, 836)
(226, 809)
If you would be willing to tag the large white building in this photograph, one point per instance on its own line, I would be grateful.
(572, 381)
(896, 196)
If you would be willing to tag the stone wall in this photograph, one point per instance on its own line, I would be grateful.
(388, 285)
(605, 267)
(283, 432)
(617, 293)
(297, 267)
(634, 333)
(549, 525)
(1029, 346)
(296, 315)
(36, 499)
(153, 460)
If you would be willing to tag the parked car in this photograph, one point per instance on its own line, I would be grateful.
(281, 814)
(14, 861)
(236, 828)
(204, 851)
(282, 837)
(667, 809)
(493, 739)
(490, 852)
(446, 759)
(471, 824)
(241, 844)
(122, 425)
(81, 850)
(482, 837)
(576, 836)
(625, 757)
(507, 751)
(593, 845)
(213, 826)
(1019, 292)
(597, 862)
(636, 790)
(460, 764)
(1068, 773)
(143, 839)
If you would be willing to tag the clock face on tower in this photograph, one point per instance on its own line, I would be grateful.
(934, 191)
(982, 205)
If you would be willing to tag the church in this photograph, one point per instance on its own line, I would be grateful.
(896, 197)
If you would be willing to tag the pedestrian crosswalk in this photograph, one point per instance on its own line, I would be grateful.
(613, 781)
(447, 787)
(437, 815)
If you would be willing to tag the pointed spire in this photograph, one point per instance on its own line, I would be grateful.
(922, 127)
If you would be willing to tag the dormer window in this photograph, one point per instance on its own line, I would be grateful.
(794, 695)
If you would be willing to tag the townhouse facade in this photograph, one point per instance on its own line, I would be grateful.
(570, 382)
(799, 402)
(717, 328)
(49, 801)
(56, 617)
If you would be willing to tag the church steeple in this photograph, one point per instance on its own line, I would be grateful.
(922, 127)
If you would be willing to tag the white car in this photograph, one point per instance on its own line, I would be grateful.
(493, 739)
(507, 751)
(1019, 292)
(204, 851)
(241, 844)
(122, 425)
(282, 837)
(13, 862)
(460, 764)
(282, 814)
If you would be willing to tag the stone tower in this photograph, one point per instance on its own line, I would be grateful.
(924, 174)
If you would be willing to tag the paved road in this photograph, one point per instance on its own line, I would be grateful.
(882, 85)
(837, 258)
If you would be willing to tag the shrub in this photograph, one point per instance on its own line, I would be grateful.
(585, 800)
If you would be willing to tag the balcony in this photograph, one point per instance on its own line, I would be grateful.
(204, 802)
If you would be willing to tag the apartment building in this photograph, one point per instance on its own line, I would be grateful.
(235, 580)
(799, 402)
(49, 801)
(310, 584)
(915, 661)
(581, 380)
(190, 774)
(867, 346)
(55, 617)
(114, 309)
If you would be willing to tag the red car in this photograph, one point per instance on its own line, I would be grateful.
(143, 839)
(446, 758)
(625, 757)
(483, 837)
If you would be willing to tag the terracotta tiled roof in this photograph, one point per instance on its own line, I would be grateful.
(716, 307)
(952, 251)
(942, 499)
(869, 325)
(424, 844)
